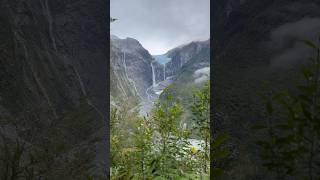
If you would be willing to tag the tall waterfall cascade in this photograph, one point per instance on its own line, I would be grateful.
(153, 75)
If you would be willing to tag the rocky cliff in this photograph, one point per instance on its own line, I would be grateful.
(134, 70)
(182, 54)
(131, 66)
(53, 63)
(193, 73)
(159, 71)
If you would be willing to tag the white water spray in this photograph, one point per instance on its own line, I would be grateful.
(153, 76)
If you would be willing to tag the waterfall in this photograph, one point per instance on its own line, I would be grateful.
(164, 71)
(184, 126)
(153, 75)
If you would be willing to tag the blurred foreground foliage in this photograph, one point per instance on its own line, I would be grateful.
(291, 142)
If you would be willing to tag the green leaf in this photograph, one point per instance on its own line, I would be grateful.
(309, 43)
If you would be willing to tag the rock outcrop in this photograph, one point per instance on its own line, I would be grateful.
(182, 54)
(131, 65)
(54, 61)
(134, 70)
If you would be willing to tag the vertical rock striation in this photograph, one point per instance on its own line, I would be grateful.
(54, 55)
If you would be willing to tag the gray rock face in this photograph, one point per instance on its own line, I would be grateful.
(131, 66)
(181, 55)
(159, 71)
(132, 63)
(54, 53)
(120, 85)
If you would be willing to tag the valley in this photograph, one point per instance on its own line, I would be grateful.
(140, 84)
(144, 75)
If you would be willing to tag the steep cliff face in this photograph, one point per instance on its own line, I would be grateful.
(159, 71)
(255, 41)
(54, 61)
(194, 72)
(182, 54)
(134, 70)
(131, 65)
(120, 84)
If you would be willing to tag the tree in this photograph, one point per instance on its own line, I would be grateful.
(131, 143)
(122, 152)
(201, 112)
(173, 139)
(201, 117)
(142, 136)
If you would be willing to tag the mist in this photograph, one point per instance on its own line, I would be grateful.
(286, 41)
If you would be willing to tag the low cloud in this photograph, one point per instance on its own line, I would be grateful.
(201, 75)
(161, 25)
(286, 41)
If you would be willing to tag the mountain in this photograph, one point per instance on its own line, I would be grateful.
(134, 69)
(255, 41)
(139, 77)
(131, 71)
(53, 70)
(195, 70)
(182, 54)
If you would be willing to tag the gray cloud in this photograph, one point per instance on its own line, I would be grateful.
(286, 40)
(161, 25)
(201, 75)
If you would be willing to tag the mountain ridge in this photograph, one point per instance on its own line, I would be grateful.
(140, 64)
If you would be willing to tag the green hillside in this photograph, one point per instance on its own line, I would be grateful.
(183, 86)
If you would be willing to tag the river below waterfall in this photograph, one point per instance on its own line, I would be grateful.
(153, 93)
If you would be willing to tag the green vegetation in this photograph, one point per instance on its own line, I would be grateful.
(157, 146)
(200, 109)
(183, 86)
(290, 144)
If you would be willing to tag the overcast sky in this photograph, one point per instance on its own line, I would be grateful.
(160, 25)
